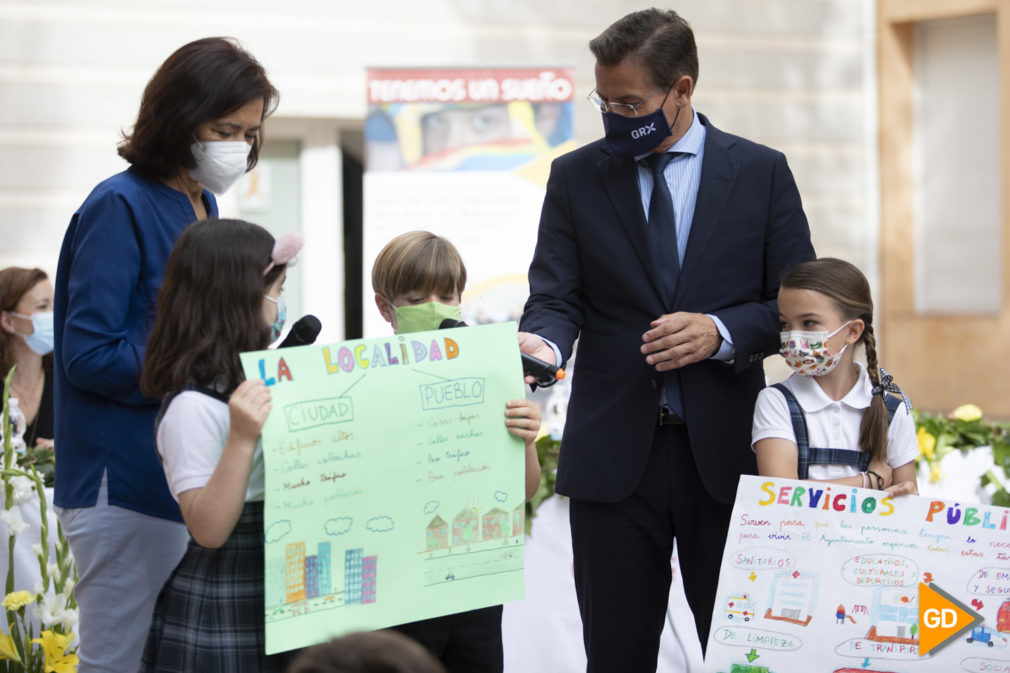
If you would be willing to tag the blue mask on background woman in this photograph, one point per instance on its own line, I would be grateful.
(42, 338)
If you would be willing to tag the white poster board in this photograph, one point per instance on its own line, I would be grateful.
(821, 577)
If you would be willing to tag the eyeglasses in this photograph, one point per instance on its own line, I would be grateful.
(623, 109)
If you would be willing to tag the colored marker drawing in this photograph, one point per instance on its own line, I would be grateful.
(437, 534)
(495, 524)
(302, 583)
(1003, 618)
(982, 635)
(894, 616)
(740, 606)
(748, 668)
(794, 595)
(468, 528)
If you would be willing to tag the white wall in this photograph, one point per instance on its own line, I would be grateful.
(794, 74)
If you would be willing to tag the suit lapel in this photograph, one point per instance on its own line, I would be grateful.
(619, 175)
(718, 171)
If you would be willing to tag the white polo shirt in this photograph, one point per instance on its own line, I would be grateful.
(190, 440)
(831, 424)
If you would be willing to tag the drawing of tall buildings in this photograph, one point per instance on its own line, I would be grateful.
(311, 577)
(304, 576)
(369, 568)
(317, 572)
(273, 573)
(324, 565)
(352, 575)
(294, 572)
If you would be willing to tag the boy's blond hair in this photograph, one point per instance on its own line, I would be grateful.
(418, 261)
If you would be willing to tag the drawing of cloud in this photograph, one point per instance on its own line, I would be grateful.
(380, 524)
(501, 496)
(338, 526)
(277, 530)
(431, 506)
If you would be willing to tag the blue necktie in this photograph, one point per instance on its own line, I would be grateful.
(666, 257)
(663, 225)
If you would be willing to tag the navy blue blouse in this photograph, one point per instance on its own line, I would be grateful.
(107, 281)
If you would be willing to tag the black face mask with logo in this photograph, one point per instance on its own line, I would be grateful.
(634, 136)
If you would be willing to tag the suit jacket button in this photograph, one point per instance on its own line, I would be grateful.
(652, 382)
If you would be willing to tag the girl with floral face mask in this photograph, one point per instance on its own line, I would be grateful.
(835, 419)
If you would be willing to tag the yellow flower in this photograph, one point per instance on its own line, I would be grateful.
(927, 443)
(7, 649)
(54, 646)
(967, 412)
(935, 473)
(16, 600)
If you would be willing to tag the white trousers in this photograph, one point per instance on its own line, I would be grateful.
(123, 559)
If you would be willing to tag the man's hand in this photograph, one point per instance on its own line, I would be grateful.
(680, 339)
(533, 345)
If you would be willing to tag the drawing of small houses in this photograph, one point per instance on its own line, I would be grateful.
(519, 520)
(895, 616)
(465, 527)
(794, 595)
(495, 524)
(437, 534)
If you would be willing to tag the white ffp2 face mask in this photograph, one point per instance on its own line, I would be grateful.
(219, 163)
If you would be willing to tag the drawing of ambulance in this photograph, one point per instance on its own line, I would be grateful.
(740, 607)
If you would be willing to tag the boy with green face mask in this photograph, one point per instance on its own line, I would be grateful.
(418, 279)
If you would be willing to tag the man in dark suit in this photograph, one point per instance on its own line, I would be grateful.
(667, 273)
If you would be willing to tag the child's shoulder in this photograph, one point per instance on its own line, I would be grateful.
(194, 404)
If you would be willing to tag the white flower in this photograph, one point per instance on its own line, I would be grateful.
(69, 618)
(37, 548)
(49, 608)
(12, 518)
(23, 488)
(68, 589)
(53, 570)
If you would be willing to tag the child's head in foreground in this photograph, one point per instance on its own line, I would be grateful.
(418, 269)
(367, 652)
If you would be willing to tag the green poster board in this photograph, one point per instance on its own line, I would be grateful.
(394, 491)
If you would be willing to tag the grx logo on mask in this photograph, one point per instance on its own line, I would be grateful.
(643, 131)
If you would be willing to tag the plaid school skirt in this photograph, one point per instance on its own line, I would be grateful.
(209, 615)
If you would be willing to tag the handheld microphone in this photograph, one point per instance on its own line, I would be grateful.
(545, 373)
(303, 332)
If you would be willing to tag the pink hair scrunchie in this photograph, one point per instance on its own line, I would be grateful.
(285, 248)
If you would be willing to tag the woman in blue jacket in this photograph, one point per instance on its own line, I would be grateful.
(199, 128)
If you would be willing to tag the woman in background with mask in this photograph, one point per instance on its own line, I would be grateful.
(199, 129)
(26, 340)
